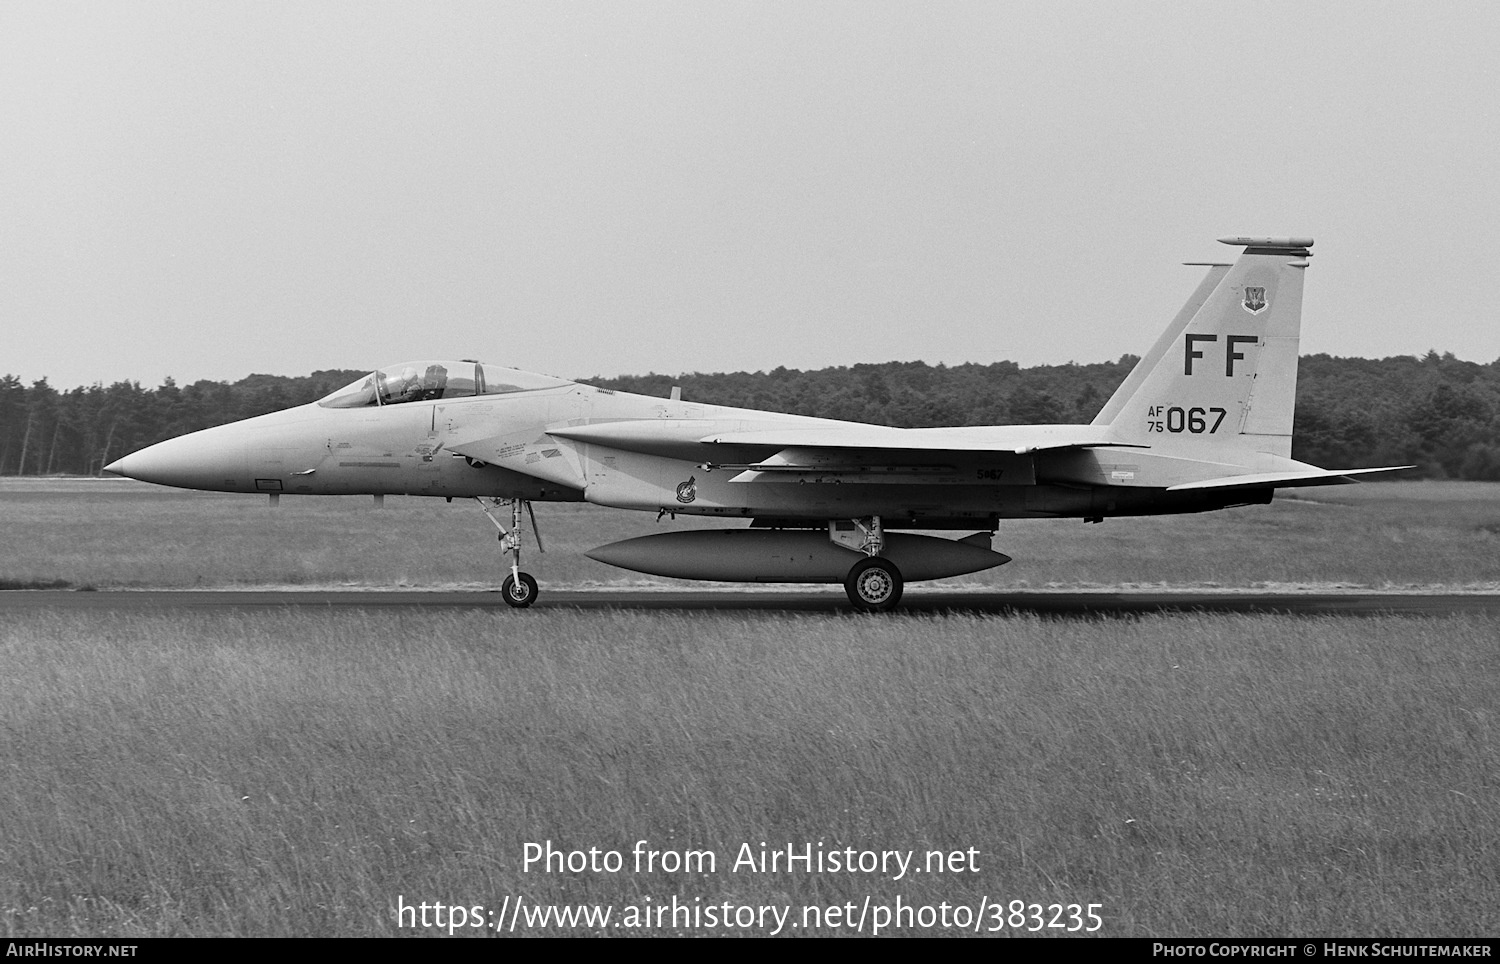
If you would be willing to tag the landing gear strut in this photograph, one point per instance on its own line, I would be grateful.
(519, 588)
(874, 583)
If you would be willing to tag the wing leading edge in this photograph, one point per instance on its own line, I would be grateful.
(1008, 439)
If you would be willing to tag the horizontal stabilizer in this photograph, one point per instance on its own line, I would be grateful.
(1279, 480)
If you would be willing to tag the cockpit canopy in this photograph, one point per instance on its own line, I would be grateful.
(422, 381)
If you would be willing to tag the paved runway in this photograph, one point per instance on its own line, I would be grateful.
(831, 601)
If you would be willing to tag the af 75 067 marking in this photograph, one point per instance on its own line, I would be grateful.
(1176, 419)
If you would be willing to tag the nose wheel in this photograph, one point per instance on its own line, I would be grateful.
(519, 589)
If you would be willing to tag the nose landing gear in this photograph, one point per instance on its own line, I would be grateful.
(519, 588)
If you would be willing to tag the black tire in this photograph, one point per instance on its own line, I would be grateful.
(519, 594)
(874, 585)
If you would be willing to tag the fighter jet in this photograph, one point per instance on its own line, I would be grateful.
(1203, 421)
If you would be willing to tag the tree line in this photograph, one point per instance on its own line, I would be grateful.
(44, 431)
(1438, 412)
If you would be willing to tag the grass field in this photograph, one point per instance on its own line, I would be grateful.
(1194, 775)
(305, 772)
(123, 534)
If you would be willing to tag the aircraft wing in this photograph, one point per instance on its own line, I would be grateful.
(1010, 439)
(651, 436)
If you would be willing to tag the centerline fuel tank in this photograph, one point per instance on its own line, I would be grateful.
(790, 555)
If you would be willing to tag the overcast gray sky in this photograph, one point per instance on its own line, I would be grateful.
(206, 190)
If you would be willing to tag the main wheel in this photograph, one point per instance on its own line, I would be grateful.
(519, 593)
(874, 585)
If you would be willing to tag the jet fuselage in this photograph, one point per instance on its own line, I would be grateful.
(515, 446)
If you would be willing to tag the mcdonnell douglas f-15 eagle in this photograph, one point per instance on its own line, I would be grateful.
(1203, 421)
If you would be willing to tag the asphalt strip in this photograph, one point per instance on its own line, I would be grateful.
(829, 600)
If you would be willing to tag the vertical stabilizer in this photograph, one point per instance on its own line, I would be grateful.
(1221, 384)
(1163, 344)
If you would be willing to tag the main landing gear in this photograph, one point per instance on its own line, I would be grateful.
(874, 583)
(519, 588)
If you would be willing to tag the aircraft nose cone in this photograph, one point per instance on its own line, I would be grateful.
(120, 467)
(211, 459)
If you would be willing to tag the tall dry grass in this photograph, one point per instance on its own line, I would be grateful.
(294, 773)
